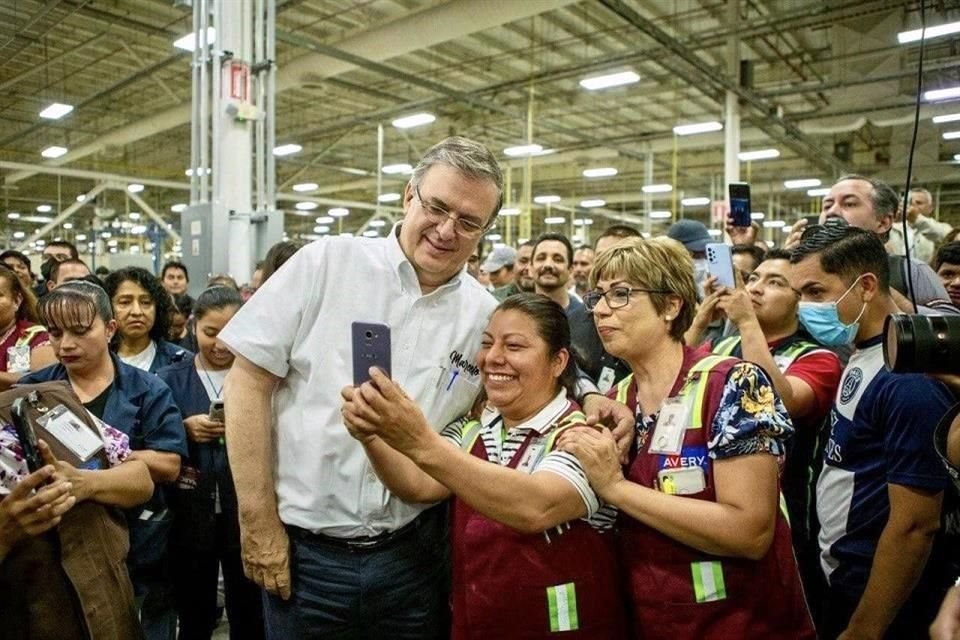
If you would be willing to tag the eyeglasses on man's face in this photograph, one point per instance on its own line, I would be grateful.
(616, 297)
(466, 227)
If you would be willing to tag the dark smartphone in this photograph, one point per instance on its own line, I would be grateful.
(26, 434)
(371, 348)
(216, 411)
(739, 193)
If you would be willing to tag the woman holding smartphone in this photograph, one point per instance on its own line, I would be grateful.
(206, 534)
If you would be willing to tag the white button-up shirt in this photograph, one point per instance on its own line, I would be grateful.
(298, 327)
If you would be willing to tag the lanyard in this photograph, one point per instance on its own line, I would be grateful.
(216, 391)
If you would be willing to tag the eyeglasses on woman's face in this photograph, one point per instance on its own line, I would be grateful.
(616, 297)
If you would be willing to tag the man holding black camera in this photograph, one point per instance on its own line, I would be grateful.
(879, 495)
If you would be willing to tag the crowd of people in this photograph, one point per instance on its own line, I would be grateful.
(596, 441)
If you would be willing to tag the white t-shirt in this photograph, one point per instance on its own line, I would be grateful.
(144, 359)
(213, 381)
(297, 327)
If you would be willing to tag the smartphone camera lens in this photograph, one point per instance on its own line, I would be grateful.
(368, 335)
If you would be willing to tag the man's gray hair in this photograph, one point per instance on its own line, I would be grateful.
(884, 199)
(922, 190)
(470, 158)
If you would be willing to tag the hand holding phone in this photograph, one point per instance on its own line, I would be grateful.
(216, 411)
(371, 348)
(739, 194)
(26, 434)
(720, 264)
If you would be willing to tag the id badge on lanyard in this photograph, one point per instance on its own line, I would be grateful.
(670, 428)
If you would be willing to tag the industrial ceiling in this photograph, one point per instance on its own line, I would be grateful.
(825, 83)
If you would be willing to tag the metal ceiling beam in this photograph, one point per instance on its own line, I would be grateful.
(35, 69)
(696, 75)
(64, 215)
(153, 215)
(448, 21)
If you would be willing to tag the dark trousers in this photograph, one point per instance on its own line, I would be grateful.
(195, 578)
(399, 590)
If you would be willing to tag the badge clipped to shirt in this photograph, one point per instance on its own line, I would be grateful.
(18, 358)
(670, 428)
(605, 381)
(71, 432)
(531, 457)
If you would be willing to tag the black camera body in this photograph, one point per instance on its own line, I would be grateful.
(922, 344)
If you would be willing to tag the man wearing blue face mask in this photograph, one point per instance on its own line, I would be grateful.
(880, 492)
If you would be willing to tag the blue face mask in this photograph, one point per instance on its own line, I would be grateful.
(823, 322)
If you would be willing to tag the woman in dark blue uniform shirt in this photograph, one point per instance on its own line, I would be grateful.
(80, 321)
(142, 308)
(206, 533)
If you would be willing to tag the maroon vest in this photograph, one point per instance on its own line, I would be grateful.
(521, 586)
(680, 592)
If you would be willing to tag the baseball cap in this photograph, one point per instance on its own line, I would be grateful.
(499, 258)
(691, 234)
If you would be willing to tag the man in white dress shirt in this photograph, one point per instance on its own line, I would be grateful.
(316, 523)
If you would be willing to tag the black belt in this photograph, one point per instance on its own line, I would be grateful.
(359, 544)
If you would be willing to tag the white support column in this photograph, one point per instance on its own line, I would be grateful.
(233, 143)
(731, 126)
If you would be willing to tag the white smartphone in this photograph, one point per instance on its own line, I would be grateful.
(720, 264)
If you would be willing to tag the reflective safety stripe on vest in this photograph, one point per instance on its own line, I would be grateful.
(708, 585)
(726, 346)
(29, 333)
(562, 604)
(471, 431)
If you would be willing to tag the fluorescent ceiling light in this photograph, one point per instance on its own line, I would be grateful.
(306, 206)
(554, 220)
(950, 117)
(371, 233)
(695, 202)
(595, 83)
(774, 224)
(759, 154)
(397, 169)
(523, 150)
(13, 215)
(493, 237)
(757, 215)
(81, 197)
(135, 188)
(415, 120)
(388, 197)
(941, 94)
(81, 237)
(287, 149)
(699, 127)
(321, 228)
(138, 229)
(188, 42)
(582, 222)
(68, 225)
(324, 220)
(801, 184)
(590, 204)
(134, 215)
(53, 152)
(951, 135)
(56, 111)
(660, 215)
(179, 207)
(546, 199)
(600, 172)
(303, 187)
(915, 35)
(338, 212)
(656, 188)
(378, 223)
(957, 157)
(714, 232)
(189, 172)
(346, 234)
(44, 208)
(818, 193)
(19, 234)
(509, 211)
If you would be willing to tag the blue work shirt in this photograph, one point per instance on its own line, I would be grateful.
(168, 354)
(141, 406)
